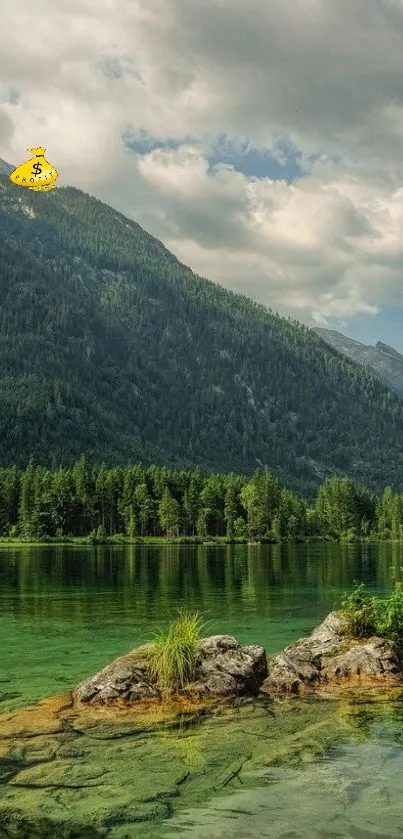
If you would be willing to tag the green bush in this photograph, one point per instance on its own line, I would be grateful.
(365, 615)
(390, 615)
(349, 536)
(359, 613)
(172, 657)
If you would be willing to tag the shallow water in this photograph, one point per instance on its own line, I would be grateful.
(351, 790)
(315, 768)
(354, 794)
(299, 769)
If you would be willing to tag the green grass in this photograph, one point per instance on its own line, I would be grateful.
(172, 657)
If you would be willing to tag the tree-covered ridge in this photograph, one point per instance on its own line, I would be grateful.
(140, 501)
(109, 346)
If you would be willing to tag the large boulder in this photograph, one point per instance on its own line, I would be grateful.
(328, 656)
(223, 669)
(127, 678)
(377, 657)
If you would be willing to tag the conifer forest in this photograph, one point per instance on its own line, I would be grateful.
(139, 502)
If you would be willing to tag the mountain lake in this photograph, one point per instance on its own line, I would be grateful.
(290, 769)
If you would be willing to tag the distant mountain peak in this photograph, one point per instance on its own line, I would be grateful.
(389, 350)
(384, 360)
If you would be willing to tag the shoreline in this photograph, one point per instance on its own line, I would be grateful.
(120, 540)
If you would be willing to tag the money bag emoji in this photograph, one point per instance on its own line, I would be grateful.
(35, 174)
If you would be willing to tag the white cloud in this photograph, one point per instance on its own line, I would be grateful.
(325, 73)
(325, 245)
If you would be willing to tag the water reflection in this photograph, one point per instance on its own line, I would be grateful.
(61, 579)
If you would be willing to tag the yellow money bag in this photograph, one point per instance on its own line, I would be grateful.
(35, 174)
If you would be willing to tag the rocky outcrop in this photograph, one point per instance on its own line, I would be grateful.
(376, 658)
(223, 669)
(327, 656)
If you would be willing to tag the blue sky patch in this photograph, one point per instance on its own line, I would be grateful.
(143, 143)
(10, 96)
(114, 67)
(280, 162)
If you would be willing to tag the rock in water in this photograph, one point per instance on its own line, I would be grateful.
(223, 669)
(375, 658)
(328, 656)
(127, 678)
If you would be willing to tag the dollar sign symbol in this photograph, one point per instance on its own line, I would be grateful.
(37, 168)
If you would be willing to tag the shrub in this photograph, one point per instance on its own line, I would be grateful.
(364, 615)
(389, 615)
(359, 613)
(172, 657)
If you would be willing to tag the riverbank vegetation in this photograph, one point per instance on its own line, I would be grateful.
(100, 504)
(365, 615)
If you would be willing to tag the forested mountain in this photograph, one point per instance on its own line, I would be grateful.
(385, 361)
(112, 348)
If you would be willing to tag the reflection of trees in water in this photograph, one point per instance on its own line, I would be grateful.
(224, 581)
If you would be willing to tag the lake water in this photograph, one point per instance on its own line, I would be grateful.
(319, 769)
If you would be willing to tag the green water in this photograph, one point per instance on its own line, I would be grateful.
(316, 769)
(348, 791)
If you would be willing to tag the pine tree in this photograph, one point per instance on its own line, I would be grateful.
(27, 501)
(191, 502)
(230, 508)
(144, 506)
(169, 512)
(9, 498)
(84, 495)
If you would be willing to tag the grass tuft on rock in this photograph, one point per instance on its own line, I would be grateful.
(172, 656)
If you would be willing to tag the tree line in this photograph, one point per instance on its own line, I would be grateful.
(153, 501)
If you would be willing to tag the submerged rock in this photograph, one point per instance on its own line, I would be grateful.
(327, 656)
(223, 669)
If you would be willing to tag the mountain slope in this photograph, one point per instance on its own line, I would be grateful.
(5, 168)
(109, 346)
(385, 361)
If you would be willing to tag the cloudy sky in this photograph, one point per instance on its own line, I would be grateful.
(261, 141)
